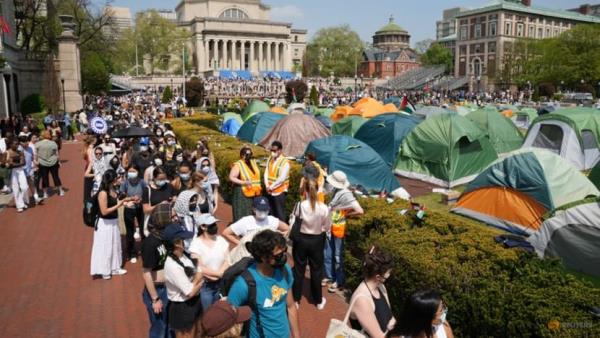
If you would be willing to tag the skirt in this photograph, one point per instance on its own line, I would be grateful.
(106, 248)
(183, 315)
(241, 205)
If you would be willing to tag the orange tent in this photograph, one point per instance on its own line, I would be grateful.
(507, 113)
(390, 108)
(279, 110)
(340, 112)
(367, 108)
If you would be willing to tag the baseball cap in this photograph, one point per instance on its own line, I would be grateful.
(260, 203)
(205, 219)
(221, 316)
(176, 231)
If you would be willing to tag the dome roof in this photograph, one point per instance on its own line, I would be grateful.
(391, 27)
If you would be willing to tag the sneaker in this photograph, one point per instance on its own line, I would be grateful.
(325, 281)
(136, 235)
(5, 190)
(45, 195)
(119, 272)
(133, 260)
(37, 199)
(322, 305)
(61, 192)
(106, 277)
(20, 209)
(332, 288)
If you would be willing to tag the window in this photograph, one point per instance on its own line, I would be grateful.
(540, 34)
(548, 32)
(478, 48)
(556, 32)
(463, 50)
(549, 137)
(477, 67)
(508, 28)
(492, 47)
(478, 30)
(519, 29)
(463, 33)
(531, 32)
(295, 38)
(233, 13)
(493, 28)
(589, 140)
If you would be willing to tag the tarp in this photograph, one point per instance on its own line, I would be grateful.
(257, 126)
(358, 161)
(573, 236)
(295, 132)
(385, 133)
(501, 131)
(231, 127)
(447, 150)
(254, 107)
(347, 126)
(514, 193)
(236, 116)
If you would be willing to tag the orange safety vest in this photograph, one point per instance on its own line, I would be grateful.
(320, 182)
(338, 223)
(274, 168)
(248, 175)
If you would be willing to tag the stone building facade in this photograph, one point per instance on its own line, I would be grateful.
(238, 35)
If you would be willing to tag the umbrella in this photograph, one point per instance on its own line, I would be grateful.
(132, 132)
(98, 125)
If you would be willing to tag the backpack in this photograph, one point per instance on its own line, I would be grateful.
(241, 269)
(91, 211)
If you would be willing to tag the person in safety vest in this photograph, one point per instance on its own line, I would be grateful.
(343, 204)
(312, 170)
(245, 176)
(277, 180)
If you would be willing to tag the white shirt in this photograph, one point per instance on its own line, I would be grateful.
(179, 285)
(314, 222)
(246, 224)
(211, 257)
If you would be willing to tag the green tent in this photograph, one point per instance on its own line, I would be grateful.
(524, 117)
(501, 131)
(515, 192)
(447, 150)
(235, 116)
(384, 133)
(348, 125)
(258, 126)
(430, 111)
(358, 161)
(254, 107)
(594, 176)
(324, 112)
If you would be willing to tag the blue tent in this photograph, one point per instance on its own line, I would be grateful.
(397, 101)
(357, 160)
(326, 121)
(231, 127)
(384, 133)
(257, 126)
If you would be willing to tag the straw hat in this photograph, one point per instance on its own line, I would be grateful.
(338, 180)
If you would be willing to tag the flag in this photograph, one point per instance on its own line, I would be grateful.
(404, 105)
(4, 25)
(294, 95)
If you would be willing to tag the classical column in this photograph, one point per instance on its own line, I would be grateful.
(276, 63)
(215, 60)
(199, 55)
(234, 63)
(251, 66)
(288, 55)
(206, 65)
(242, 55)
(225, 56)
(269, 64)
(260, 56)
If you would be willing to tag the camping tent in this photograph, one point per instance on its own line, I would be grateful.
(358, 161)
(348, 125)
(278, 110)
(326, 121)
(340, 112)
(384, 133)
(295, 132)
(571, 133)
(594, 176)
(447, 150)
(430, 111)
(236, 116)
(231, 127)
(573, 236)
(254, 107)
(369, 107)
(397, 101)
(515, 192)
(501, 131)
(258, 126)
(524, 117)
(327, 112)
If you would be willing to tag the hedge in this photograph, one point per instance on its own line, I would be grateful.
(490, 291)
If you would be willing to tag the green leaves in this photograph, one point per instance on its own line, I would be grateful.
(95, 77)
(334, 49)
(435, 55)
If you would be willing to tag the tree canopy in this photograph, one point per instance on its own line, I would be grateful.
(334, 49)
(435, 55)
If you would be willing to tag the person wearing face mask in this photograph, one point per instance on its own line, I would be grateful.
(425, 317)
(274, 313)
(186, 208)
(200, 185)
(142, 158)
(159, 191)
(371, 311)
(205, 167)
(133, 186)
(183, 180)
(277, 180)
(108, 147)
(157, 161)
(170, 147)
(212, 252)
(245, 176)
(260, 220)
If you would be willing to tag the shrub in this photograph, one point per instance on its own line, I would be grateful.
(32, 104)
(314, 96)
(295, 91)
(194, 92)
(167, 95)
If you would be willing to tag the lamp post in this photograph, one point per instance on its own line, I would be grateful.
(172, 89)
(355, 89)
(62, 81)
(529, 89)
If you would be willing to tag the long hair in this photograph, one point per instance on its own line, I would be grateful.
(310, 189)
(108, 178)
(419, 312)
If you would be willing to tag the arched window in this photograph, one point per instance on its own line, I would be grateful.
(477, 67)
(233, 13)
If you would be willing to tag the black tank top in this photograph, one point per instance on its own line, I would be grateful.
(204, 207)
(383, 312)
(111, 202)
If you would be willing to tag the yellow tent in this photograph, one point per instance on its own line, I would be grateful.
(340, 112)
(390, 108)
(368, 108)
(279, 110)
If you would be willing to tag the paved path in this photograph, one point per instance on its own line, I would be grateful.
(45, 286)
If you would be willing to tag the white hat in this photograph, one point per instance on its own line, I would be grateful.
(206, 219)
(338, 180)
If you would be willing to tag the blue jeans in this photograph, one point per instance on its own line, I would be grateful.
(159, 323)
(209, 294)
(334, 260)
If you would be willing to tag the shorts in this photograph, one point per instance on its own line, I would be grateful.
(183, 315)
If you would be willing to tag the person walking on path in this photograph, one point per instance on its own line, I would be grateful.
(48, 160)
(133, 186)
(15, 161)
(245, 176)
(277, 180)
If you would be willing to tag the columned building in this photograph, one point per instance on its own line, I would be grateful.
(237, 35)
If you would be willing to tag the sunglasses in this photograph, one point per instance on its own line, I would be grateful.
(98, 154)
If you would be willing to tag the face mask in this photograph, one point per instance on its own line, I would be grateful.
(184, 177)
(205, 170)
(247, 157)
(261, 215)
(132, 175)
(212, 229)
(171, 142)
(193, 207)
(160, 183)
(280, 260)
(158, 162)
(443, 317)
(114, 164)
(143, 148)
(179, 158)
(273, 154)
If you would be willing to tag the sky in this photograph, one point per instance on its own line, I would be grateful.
(418, 17)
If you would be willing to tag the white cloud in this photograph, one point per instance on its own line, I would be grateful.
(286, 12)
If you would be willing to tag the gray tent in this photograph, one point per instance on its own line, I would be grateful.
(573, 235)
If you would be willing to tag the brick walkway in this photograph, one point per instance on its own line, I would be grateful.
(45, 286)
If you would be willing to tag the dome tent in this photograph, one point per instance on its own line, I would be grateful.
(501, 131)
(257, 126)
(430, 111)
(573, 236)
(254, 107)
(340, 112)
(348, 125)
(236, 116)
(295, 132)
(447, 150)
(231, 127)
(515, 192)
(384, 133)
(358, 161)
(524, 117)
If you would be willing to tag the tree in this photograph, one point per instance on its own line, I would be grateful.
(167, 95)
(438, 55)
(336, 50)
(194, 93)
(314, 96)
(422, 46)
(95, 78)
(295, 91)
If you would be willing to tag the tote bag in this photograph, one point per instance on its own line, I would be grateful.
(340, 329)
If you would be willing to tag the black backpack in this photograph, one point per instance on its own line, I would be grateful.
(91, 211)
(241, 269)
